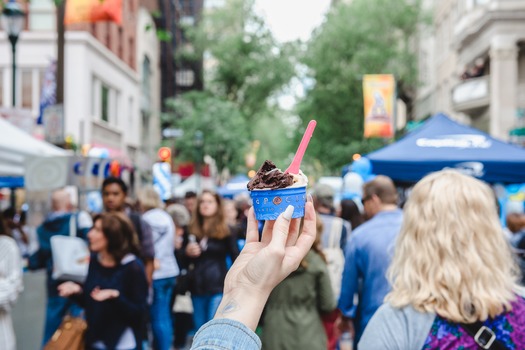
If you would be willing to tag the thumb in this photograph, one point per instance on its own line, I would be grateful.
(281, 228)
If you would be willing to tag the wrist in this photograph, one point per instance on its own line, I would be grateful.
(242, 306)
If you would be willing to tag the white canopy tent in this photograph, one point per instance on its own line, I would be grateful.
(16, 146)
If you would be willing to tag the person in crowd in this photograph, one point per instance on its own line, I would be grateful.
(10, 285)
(516, 227)
(166, 268)
(333, 241)
(323, 197)
(454, 281)
(292, 317)
(114, 194)
(24, 236)
(368, 255)
(58, 222)
(115, 292)
(210, 244)
(230, 212)
(183, 318)
(190, 201)
(262, 265)
(351, 213)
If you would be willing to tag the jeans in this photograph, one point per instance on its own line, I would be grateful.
(56, 308)
(160, 313)
(204, 308)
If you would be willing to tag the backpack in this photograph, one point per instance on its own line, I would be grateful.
(335, 257)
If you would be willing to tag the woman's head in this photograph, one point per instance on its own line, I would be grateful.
(4, 229)
(350, 212)
(208, 219)
(113, 233)
(149, 199)
(451, 256)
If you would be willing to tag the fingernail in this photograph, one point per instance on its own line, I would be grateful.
(288, 212)
(309, 198)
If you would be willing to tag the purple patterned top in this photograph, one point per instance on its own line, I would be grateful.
(509, 329)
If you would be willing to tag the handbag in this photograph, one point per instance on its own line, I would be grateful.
(69, 335)
(483, 336)
(183, 304)
(70, 256)
(184, 281)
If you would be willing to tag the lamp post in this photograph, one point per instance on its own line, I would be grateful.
(13, 18)
(198, 142)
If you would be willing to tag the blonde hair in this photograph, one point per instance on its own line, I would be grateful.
(451, 257)
(149, 198)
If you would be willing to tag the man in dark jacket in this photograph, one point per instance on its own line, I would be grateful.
(57, 223)
(114, 193)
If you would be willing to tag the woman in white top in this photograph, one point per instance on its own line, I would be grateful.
(10, 285)
(166, 268)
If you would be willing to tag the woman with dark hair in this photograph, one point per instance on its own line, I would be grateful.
(209, 244)
(10, 284)
(351, 213)
(114, 294)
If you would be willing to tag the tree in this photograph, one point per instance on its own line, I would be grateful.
(249, 65)
(223, 127)
(363, 37)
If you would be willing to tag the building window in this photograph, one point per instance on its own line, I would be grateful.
(1, 88)
(131, 53)
(41, 15)
(27, 89)
(104, 105)
(146, 85)
(185, 77)
(121, 43)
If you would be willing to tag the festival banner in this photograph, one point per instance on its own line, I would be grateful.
(379, 104)
(48, 93)
(90, 11)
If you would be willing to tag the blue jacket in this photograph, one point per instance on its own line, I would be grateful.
(367, 257)
(225, 334)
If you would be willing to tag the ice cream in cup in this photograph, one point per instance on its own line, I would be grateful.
(272, 191)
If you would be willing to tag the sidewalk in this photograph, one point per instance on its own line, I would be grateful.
(29, 310)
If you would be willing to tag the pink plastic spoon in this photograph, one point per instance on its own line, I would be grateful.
(297, 159)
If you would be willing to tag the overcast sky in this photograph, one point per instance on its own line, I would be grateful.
(292, 19)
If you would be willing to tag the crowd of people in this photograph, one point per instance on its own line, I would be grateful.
(438, 274)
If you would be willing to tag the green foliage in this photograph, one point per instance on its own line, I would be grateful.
(249, 65)
(364, 37)
(223, 127)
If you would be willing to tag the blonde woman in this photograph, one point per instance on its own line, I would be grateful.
(166, 267)
(452, 266)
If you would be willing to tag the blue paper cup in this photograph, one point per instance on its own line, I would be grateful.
(268, 204)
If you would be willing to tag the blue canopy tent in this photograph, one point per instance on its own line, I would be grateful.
(443, 143)
(236, 185)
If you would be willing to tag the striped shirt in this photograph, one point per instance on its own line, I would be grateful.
(10, 286)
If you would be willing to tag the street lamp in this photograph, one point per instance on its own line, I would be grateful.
(13, 18)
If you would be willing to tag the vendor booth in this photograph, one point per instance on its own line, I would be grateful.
(442, 143)
(16, 147)
(235, 186)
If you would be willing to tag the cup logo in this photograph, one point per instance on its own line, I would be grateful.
(277, 200)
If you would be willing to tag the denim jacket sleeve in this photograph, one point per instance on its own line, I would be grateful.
(223, 334)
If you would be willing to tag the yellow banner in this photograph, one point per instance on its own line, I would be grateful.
(379, 98)
(90, 11)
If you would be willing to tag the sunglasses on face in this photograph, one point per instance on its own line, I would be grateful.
(366, 198)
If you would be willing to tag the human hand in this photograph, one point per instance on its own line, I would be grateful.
(193, 250)
(67, 289)
(346, 324)
(104, 294)
(263, 264)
